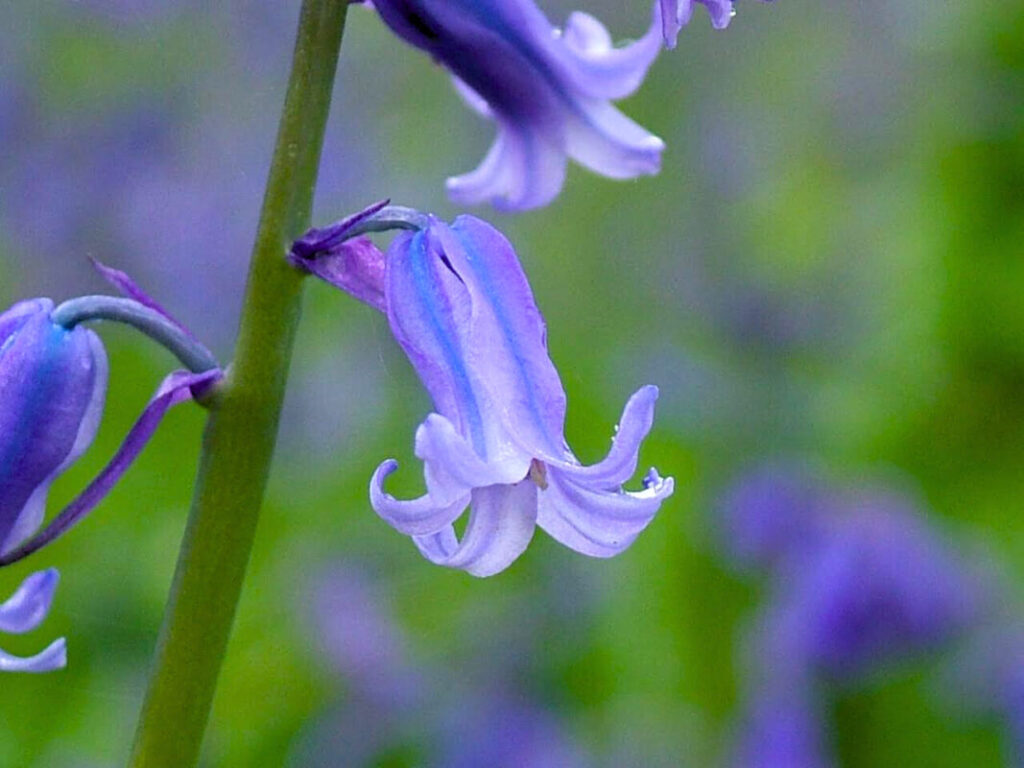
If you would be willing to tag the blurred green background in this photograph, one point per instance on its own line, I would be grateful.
(829, 266)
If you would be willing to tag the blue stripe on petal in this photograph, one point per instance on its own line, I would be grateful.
(425, 279)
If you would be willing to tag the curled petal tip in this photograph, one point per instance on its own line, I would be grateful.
(414, 517)
(52, 658)
(27, 607)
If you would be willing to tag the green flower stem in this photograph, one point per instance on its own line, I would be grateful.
(242, 430)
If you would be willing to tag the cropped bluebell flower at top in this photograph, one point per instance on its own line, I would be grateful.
(548, 90)
(676, 14)
(53, 380)
(460, 307)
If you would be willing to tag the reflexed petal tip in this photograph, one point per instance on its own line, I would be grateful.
(23, 612)
(416, 517)
(54, 657)
(586, 509)
(27, 607)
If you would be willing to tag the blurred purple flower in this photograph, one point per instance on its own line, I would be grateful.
(782, 727)
(505, 731)
(860, 579)
(363, 642)
(548, 90)
(770, 511)
(460, 306)
(881, 586)
(23, 612)
(472, 715)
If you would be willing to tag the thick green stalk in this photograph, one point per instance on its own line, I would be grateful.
(240, 436)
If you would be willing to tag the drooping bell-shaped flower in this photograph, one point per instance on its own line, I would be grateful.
(53, 381)
(24, 611)
(460, 306)
(53, 378)
(549, 90)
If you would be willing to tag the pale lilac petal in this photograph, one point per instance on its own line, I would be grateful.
(53, 658)
(452, 468)
(416, 517)
(620, 463)
(27, 607)
(595, 521)
(523, 169)
(428, 308)
(609, 143)
(176, 388)
(501, 523)
(676, 14)
(671, 20)
(600, 69)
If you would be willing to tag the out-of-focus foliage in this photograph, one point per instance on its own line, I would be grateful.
(829, 265)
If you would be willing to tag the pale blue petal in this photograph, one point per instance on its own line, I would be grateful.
(595, 521)
(501, 523)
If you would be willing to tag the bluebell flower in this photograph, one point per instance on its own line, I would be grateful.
(782, 727)
(881, 586)
(53, 380)
(23, 612)
(676, 14)
(860, 579)
(771, 511)
(548, 90)
(460, 307)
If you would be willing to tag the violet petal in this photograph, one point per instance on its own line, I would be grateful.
(595, 521)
